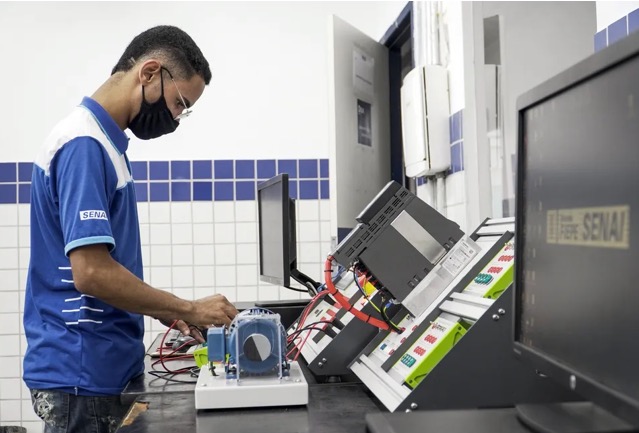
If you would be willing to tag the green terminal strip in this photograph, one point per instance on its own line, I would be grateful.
(436, 354)
(500, 285)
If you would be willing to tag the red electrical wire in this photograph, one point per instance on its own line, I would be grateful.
(309, 307)
(165, 358)
(300, 324)
(299, 348)
(308, 329)
(343, 302)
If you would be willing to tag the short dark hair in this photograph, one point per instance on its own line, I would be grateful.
(180, 51)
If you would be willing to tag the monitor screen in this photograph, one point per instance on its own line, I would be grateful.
(275, 237)
(577, 241)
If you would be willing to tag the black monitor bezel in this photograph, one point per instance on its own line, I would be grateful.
(282, 179)
(615, 402)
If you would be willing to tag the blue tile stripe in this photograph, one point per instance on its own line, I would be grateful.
(198, 180)
(617, 30)
(601, 40)
(633, 21)
(15, 182)
(456, 124)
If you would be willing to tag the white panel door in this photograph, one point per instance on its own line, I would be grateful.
(359, 136)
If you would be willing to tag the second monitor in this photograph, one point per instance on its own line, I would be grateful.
(277, 235)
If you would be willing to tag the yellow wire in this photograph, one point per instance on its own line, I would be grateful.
(391, 322)
(371, 302)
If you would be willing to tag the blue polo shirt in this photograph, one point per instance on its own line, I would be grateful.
(81, 194)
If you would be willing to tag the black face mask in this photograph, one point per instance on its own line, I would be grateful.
(154, 119)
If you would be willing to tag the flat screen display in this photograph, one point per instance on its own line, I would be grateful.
(274, 237)
(577, 280)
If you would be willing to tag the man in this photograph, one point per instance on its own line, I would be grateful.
(85, 296)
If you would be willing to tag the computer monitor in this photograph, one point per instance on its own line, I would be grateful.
(277, 239)
(275, 235)
(577, 239)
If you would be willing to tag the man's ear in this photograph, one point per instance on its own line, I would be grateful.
(148, 71)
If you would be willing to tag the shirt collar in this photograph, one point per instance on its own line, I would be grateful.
(113, 132)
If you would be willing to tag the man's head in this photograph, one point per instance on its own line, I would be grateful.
(162, 61)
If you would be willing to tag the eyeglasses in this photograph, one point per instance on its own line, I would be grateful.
(187, 111)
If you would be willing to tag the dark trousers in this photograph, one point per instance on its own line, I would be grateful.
(68, 413)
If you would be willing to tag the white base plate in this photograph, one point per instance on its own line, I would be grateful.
(216, 392)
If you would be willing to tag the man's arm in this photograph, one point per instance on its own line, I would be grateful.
(95, 273)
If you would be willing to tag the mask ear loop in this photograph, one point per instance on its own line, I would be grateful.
(161, 85)
(162, 81)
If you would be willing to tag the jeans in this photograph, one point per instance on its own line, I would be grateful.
(68, 413)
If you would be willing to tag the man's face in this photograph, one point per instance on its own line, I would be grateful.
(179, 94)
(182, 94)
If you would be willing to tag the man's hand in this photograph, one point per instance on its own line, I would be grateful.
(186, 329)
(212, 310)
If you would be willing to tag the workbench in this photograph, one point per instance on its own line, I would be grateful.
(160, 406)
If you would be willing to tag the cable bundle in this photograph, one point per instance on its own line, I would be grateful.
(168, 374)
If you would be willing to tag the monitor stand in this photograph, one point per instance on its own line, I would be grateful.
(310, 284)
(573, 417)
(291, 309)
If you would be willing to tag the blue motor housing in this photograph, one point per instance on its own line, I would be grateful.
(255, 344)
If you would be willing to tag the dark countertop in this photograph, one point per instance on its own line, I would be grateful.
(332, 408)
(448, 421)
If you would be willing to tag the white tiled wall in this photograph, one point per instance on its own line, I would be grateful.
(15, 402)
(192, 249)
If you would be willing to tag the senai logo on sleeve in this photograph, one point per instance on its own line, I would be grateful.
(93, 215)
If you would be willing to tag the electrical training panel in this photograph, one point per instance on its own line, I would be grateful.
(396, 248)
(393, 365)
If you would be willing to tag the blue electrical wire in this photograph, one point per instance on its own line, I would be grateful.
(357, 284)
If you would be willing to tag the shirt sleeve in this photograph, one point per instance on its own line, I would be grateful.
(83, 183)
